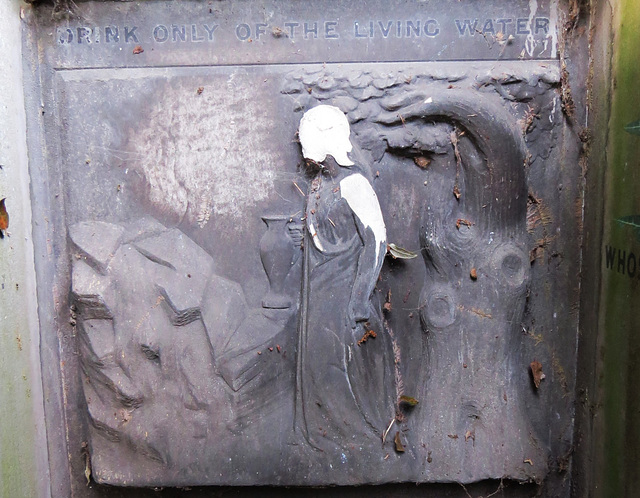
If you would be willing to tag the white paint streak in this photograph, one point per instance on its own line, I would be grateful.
(315, 238)
(362, 199)
(553, 28)
(530, 43)
(324, 130)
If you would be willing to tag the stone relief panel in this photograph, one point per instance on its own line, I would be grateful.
(231, 297)
(262, 301)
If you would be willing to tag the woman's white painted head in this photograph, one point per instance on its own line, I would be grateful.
(324, 130)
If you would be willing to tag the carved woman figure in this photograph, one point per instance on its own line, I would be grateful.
(344, 375)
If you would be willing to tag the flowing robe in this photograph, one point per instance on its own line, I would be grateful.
(345, 389)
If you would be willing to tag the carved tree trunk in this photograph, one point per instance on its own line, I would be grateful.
(473, 298)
